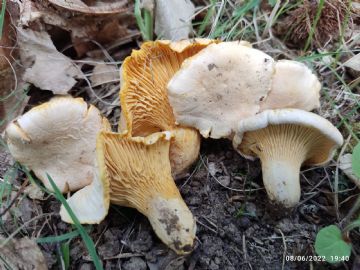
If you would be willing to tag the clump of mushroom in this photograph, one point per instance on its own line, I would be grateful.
(230, 81)
(230, 90)
(284, 140)
(140, 177)
(71, 142)
(144, 100)
(58, 138)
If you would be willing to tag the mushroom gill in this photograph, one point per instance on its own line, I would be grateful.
(144, 100)
(284, 140)
(140, 177)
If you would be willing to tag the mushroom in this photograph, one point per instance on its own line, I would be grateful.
(220, 85)
(58, 138)
(91, 203)
(230, 81)
(293, 86)
(140, 177)
(144, 100)
(284, 140)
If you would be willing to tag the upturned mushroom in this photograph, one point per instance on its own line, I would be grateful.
(284, 140)
(230, 81)
(58, 138)
(140, 177)
(144, 100)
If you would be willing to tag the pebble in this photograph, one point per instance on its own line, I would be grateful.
(86, 266)
(135, 263)
(224, 180)
(244, 222)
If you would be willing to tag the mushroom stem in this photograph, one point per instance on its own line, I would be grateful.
(281, 180)
(282, 150)
(284, 140)
(140, 177)
(173, 223)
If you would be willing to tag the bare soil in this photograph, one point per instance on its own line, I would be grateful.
(237, 227)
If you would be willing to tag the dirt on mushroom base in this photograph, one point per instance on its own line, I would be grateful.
(235, 229)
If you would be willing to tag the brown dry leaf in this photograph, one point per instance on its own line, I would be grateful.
(104, 73)
(88, 30)
(34, 192)
(22, 254)
(46, 68)
(353, 62)
(98, 7)
(102, 31)
(12, 99)
(173, 19)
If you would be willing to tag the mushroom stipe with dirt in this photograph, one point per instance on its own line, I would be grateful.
(139, 172)
(284, 140)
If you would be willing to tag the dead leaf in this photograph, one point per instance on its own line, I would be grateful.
(86, 30)
(12, 98)
(104, 73)
(173, 19)
(46, 68)
(22, 254)
(100, 7)
(102, 31)
(34, 192)
(353, 62)
(345, 165)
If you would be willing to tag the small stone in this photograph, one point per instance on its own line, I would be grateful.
(250, 208)
(135, 263)
(224, 180)
(285, 225)
(229, 154)
(111, 245)
(244, 222)
(144, 241)
(86, 266)
(213, 266)
(214, 168)
(194, 201)
(195, 183)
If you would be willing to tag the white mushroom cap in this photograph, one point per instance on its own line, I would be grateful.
(57, 138)
(91, 203)
(293, 86)
(219, 86)
(284, 139)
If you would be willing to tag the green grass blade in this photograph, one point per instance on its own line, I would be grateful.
(148, 19)
(205, 22)
(145, 23)
(84, 235)
(65, 254)
(58, 238)
(2, 17)
(313, 27)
